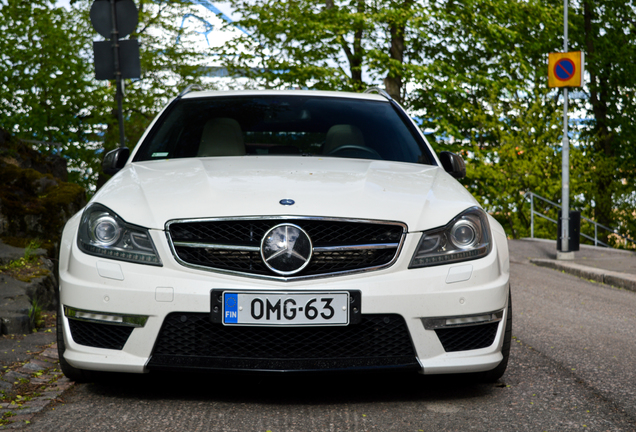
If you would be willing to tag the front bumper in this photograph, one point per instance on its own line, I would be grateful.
(120, 288)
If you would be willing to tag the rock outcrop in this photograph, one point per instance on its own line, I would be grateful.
(18, 297)
(35, 198)
(35, 202)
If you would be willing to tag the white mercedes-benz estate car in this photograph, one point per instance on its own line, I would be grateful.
(283, 231)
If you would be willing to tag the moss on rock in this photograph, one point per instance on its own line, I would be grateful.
(33, 203)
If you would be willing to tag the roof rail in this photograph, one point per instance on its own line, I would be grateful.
(188, 89)
(379, 91)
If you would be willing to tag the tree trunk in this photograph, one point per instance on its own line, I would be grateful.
(393, 81)
(603, 137)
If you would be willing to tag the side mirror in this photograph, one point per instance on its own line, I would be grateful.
(453, 164)
(115, 160)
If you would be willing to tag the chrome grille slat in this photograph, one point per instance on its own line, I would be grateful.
(341, 246)
(217, 246)
(356, 247)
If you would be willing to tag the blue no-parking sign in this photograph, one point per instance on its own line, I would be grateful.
(565, 69)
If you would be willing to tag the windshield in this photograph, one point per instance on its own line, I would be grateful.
(283, 125)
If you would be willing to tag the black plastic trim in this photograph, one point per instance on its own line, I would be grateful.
(180, 363)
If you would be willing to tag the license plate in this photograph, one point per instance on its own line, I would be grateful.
(285, 309)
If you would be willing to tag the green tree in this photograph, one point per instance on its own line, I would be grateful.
(45, 85)
(326, 45)
(47, 88)
(166, 68)
(606, 30)
(484, 93)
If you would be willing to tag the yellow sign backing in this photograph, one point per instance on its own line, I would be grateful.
(566, 69)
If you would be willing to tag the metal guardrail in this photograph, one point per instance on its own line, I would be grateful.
(597, 225)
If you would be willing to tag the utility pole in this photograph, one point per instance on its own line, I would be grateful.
(566, 69)
(565, 253)
(118, 58)
(114, 37)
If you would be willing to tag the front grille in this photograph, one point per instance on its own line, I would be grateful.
(234, 245)
(467, 338)
(190, 340)
(99, 335)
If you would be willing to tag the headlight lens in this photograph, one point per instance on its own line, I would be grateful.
(104, 229)
(466, 237)
(103, 233)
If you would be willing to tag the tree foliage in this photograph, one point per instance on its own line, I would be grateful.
(606, 31)
(330, 45)
(166, 68)
(44, 82)
(475, 73)
(49, 93)
(484, 94)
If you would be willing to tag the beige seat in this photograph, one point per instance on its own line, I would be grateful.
(342, 135)
(222, 137)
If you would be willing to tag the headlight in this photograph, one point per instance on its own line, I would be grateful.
(466, 237)
(103, 233)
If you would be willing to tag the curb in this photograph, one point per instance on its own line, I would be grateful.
(607, 250)
(40, 379)
(616, 279)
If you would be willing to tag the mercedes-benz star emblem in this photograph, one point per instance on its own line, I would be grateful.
(286, 249)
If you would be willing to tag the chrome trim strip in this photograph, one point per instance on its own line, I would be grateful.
(282, 218)
(440, 322)
(375, 246)
(286, 217)
(218, 246)
(127, 319)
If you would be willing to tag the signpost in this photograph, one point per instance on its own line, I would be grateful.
(116, 59)
(565, 70)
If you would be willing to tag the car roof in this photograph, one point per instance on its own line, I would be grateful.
(336, 94)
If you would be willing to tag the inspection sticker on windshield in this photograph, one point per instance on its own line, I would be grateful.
(286, 309)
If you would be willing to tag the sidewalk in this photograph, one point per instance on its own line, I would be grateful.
(30, 379)
(610, 266)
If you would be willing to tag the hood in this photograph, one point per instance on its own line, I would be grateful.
(151, 193)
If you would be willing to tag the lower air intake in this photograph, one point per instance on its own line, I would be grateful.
(191, 341)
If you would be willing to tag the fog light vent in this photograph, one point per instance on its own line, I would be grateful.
(99, 335)
(467, 338)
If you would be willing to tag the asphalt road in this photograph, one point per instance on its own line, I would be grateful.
(573, 367)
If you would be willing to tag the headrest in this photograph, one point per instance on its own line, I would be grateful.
(222, 137)
(341, 135)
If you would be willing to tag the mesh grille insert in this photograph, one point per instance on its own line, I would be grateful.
(191, 340)
(467, 338)
(251, 232)
(99, 335)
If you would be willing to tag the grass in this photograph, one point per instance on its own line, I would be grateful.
(30, 250)
(35, 314)
(27, 267)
